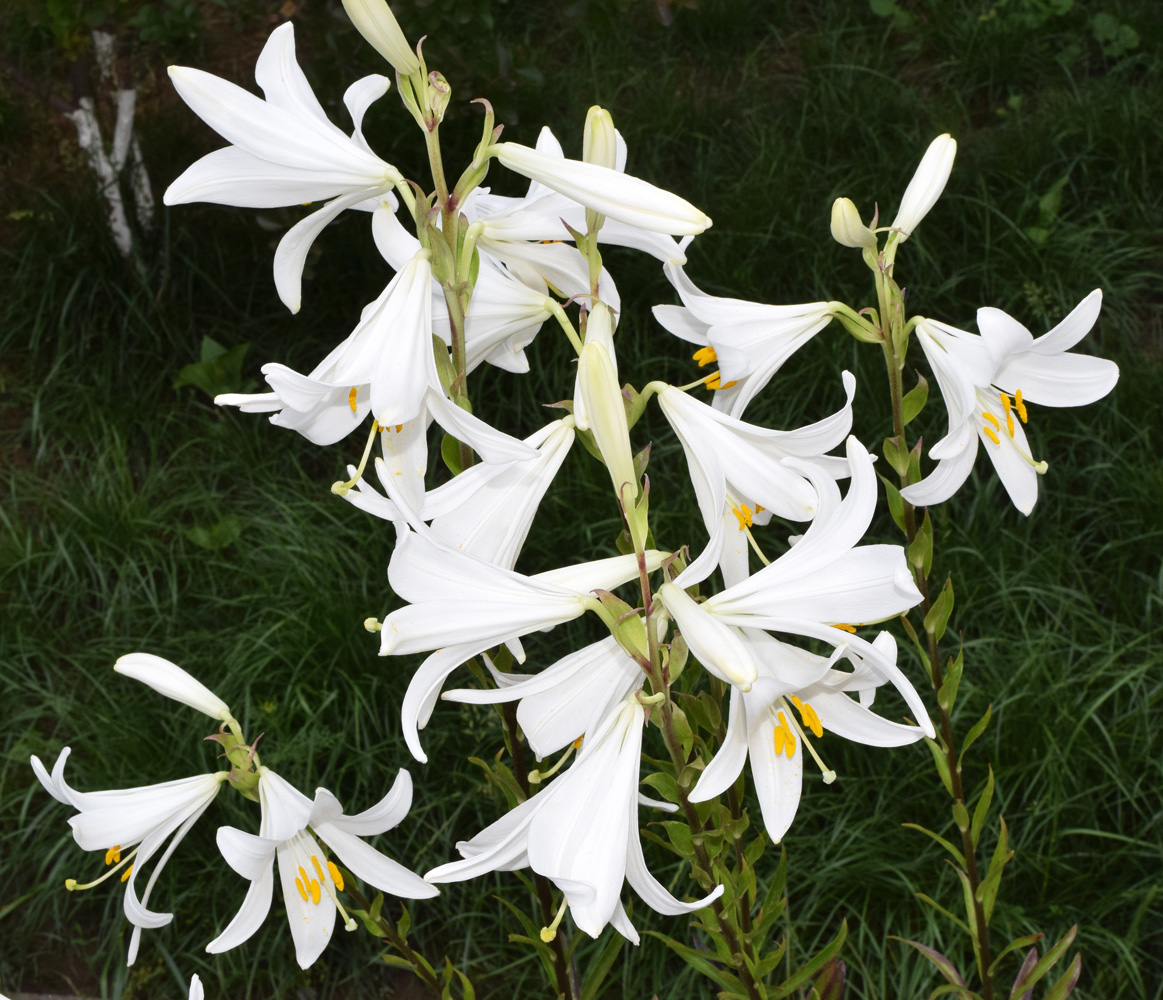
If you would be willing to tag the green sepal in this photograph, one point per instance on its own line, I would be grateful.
(914, 400)
(974, 733)
(948, 845)
(812, 966)
(981, 811)
(938, 617)
(947, 694)
(897, 455)
(450, 454)
(858, 330)
(942, 764)
(896, 505)
(921, 550)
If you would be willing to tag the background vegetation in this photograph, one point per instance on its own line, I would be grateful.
(135, 515)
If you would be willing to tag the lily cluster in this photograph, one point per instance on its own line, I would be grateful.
(476, 277)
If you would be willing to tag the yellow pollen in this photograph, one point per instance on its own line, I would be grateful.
(1005, 402)
(1010, 424)
(988, 432)
(335, 876)
(759, 509)
(808, 714)
(125, 875)
(578, 742)
(788, 743)
(316, 894)
(744, 514)
(1020, 406)
(991, 418)
(351, 397)
(318, 868)
(705, 356)
(302, 891)
(845, 628)
(399, 427)
(113, 854)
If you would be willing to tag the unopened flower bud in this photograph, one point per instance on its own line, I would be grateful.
(847, 227)
(599, 146)
(926, 186)
(439, 94)
(375, 21)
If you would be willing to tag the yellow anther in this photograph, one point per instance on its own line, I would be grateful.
(845, 628)
(788, 743)
(808, 714)
(1005, 402)
(316, 894)
(759, 509)
(778, 739)
(988, 432)
(705, 356)
(1020, 407)
(992, 419)
(113, 854)
(578, 742)
(547, 934)
(318, 868)
(335, 876)
(302, 891)
(713, 381)
(744, 515)
(351, 397)
(125, 875)
(1010, 424)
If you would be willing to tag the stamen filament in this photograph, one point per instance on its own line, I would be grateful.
(550, 932)
(341, 488)
(755, 547)
(536, 777)
(828, 774)
(74, 886)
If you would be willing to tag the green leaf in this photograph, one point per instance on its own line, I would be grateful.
(664, 784)
(405, 922)
(914, 400)
(680, 835)
(596, 974)
(960, 816)
(938, 616)
(1014, 945)
(921, 550)
(1045, 964)
(897, 455)
(896, 505)
(450, 452)
(396, 961)
(942, 764)
(220, 535)
(773, 902)
(831, 982)
(641, 460)
(982, 809)
(987, 890)
(219, 370)
(942, 964)
(1065, 986)
(812, 966)
(929, 901)
(449, 972)
(700, 963)
(682, 729)
(947, 695)
(502, 777)
(974, 733)
(956, 854)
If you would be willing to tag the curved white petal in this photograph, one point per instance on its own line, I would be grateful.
(725, 767)
(171, 680)
(250, 916)
(366, 863)
(311, 922)
(385, 814)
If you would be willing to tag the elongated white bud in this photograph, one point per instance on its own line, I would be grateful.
(375, 21)
(171, 680)
(847, 227)
(599, 146)
(620, 196)
(926, 186)
(606, 415)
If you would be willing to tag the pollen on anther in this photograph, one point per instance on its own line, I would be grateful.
(302, 891)
(992, 419)
(988, 432)
(351, 397)
(316, 892)
(125, 874)
(318, 868)
(113, 854)
(705, 356)
(578, 742)
(1020, 407)
(743, 514)
(788, 743)
(845, 628)
(335, 876)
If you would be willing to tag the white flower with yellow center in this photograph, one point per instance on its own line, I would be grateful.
(797, 696)
(987, 382)
(291, 828)
(581, 832)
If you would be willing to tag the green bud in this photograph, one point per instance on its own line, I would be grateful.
(847, 226)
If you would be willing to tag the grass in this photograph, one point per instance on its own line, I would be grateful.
(761, 114)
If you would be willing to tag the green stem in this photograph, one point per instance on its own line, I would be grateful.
(386, 931)
(936, 675)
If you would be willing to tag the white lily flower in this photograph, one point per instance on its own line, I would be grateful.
(290, 825)
(817, 589)
(581, 832)
(486, 510)
(142, 818)
(738, 469)
(762, 723)
(606, 191)
(987, 381)
(563, 702)
(375, 21)
(749, 340)
(284, 151)
(926, 185)
(463, 605)
(196, 991)
(171, 680)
